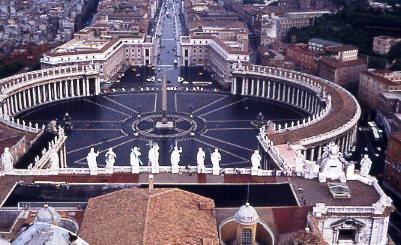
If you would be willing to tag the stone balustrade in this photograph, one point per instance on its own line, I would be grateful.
(56, 146)
(142, 169)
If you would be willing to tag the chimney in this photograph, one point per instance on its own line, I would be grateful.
(151, 182)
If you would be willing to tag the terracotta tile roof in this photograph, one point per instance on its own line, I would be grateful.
(343, 110)
(136, 216)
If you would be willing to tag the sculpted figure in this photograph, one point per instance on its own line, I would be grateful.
(175, 159)
(256, 158)
(134, 159)
(216, 158)
(91, 159)
(366, 164)
(200, 160)
(110, 158)
(153, 156)
(332, 164)
(7, 160)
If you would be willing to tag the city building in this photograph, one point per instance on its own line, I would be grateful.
(383, 44)
(388, 113)
(304, 59)
(392, 171)
(374, 82)
(318, 45)
(217, 39)
(342, 65)
(275, 27)
(117, 40)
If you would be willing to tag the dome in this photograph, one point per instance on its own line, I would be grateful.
(48, 215)
(246, 215)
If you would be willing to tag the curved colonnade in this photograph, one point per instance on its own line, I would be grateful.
(27, 90)
(333, 111)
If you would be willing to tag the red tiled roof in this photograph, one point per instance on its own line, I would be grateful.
(137, 216)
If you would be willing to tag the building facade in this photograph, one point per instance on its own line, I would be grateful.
(383, 44)
(374, 82)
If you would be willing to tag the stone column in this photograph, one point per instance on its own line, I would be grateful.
(87, 86)
(13, 104)
(257, 87)
(24, 99)
(252, 87)
(312, 154)
(243, 86)
(65, 83)
(263, 88)
(19, 101)
(49, 90)
(233, 86)
(97, 86)
(274, 90)
(55, 90)
(268, 89)
(8, 101)
(319, 152)
(30, 97)
(71, 87)
(60, 89)
(44, 93)
(34, 98)
(298, 100)
(289, 94)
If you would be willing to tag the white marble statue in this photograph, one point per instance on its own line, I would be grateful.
(366, 164)
(92, 163)
(200, 160)
(332, 164)
(54, 160)
(7, 160)
(153, 156)
(175, 159)
(216, 158)
(110, 160)
(256, 158)
(134, 160)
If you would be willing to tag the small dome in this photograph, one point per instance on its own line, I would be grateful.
(48, 215)
(247, 215)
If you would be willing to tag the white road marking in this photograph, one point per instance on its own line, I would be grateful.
(225, 142)
(109, 108)
(218, 129)
(107, 148)
(210, 145)
(92, 145)
(118, 103)
(214, 102)
(223, 107)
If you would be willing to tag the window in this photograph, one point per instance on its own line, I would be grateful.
(246, 237)
(347, 235)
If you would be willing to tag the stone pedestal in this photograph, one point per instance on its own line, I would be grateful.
(174, 169)
(216, 170)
